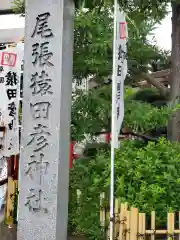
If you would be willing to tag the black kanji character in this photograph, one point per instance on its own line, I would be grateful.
(41, 84)
(41, 27)
(118, 90)
(11, 79)
(1, 79)
(37, 167)
(10, 125)
(11, 93)
(118, 112)
(34, 200)
(10, 144)
(119, 70)
(12, 108)
(40, 110)
(121, 54)
(41, 54)
(39, 137)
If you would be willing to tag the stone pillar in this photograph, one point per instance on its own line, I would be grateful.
(44, 158)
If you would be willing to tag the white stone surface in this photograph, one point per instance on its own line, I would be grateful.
(47, 218)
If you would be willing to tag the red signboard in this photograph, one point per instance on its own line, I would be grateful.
(122, 30)
(8, 59)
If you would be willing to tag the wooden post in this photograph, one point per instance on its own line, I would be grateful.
(144, 224)
(140, 229)
(121, 225)
(10, 198)
(128, 225)
(153, 224)
(170, 224)
(10, 192)
(108, 228)
(179, 224)
(125, 208)
(134, 224)
(102, 211)
(117, 218)
(15, 178)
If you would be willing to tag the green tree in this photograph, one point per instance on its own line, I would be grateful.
(93, 41)
(91, 112)
(155, 10)
(158, 9)
(93, 58)
(19, 6)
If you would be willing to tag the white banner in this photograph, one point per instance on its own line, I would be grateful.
(119, 75)
(10, 74)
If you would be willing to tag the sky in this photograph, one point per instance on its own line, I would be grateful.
(162, 33)
(11, 21)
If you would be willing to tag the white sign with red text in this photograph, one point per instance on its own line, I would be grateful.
(10, 74)
(119, 75)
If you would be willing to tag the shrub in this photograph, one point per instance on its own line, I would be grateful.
(146, 177)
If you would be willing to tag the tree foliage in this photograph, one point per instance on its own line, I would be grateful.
(150, 95)
(93, 34)
(147, 8)
(91, 112)
(18, 6)
(93, 41)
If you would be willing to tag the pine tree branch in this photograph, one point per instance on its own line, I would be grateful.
(163, 90)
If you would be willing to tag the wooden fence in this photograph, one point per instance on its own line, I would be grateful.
(130, 224)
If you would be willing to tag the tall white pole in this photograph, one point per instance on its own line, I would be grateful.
(113, 131)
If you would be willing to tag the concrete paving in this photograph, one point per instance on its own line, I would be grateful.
(1, 217)
(2, 213)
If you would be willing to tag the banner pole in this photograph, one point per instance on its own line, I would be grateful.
(113, 131)
(112, 194)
